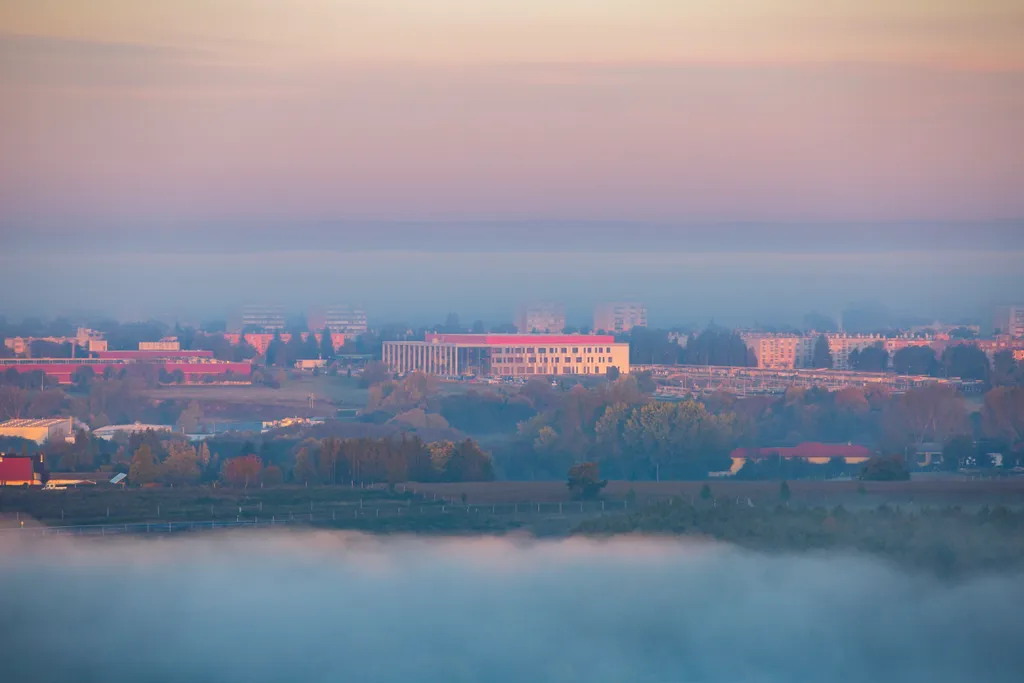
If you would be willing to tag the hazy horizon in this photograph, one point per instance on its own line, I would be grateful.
(745, 161)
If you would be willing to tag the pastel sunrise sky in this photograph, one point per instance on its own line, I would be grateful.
(514, 130)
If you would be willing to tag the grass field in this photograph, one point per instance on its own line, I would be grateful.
(936, 492)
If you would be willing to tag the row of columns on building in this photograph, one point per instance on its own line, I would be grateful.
(433, 359)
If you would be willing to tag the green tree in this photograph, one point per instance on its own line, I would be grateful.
(956, 452)
(966, 361)
(821, 357)
(189, 418)
(612, 373)
(871, 359)
(705, 492)
(304, 471)
(915, 360)
(885, 469)
(181, 467)
(784, 492)
(144, 467)
(326, 344)
(585, 481)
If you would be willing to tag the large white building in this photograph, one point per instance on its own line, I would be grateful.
(613, 318)
(508, 355)
(40, 430)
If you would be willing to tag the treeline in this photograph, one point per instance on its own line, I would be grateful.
(712, 346)
(325, 462)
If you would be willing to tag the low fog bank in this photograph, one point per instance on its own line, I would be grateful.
(345, 607)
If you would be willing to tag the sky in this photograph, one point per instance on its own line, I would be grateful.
(517, 133)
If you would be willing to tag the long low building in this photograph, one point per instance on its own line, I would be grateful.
(508, 355)
(193, 368)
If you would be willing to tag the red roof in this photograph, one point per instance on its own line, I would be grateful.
(521, 339)
(808, 449)
(16, 469)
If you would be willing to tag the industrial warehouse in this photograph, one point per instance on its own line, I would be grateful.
(508, 355)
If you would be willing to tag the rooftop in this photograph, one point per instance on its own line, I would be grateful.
(507, 339)
(31, 424)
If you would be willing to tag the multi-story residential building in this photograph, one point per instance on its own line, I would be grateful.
(508, 355)
(1009, 320)
(781, 351)
(840, 346)
(263, 318)
(619, 317)
(541, 318)
(345, 320)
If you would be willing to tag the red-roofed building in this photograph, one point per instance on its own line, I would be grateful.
(508, 355)
(811, 451)
(18, 471)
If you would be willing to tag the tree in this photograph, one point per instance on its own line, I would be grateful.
(958, 451)
(242, 470)
(784, 492)
(965, 361)
(468, 463)
(326, 344)
(705, 492)
(885, 469)
(189, 418)
(304, 472)
(1005, 371)
(144, 468)
(929, 413)
(871, 359)
(612, 373)
(585, 481)
(374, 372)
(1002, 415)
(821, 356)
(915, 360)
(272, 476)
(181, 466)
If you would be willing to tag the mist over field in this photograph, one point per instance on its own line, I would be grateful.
(346, 607)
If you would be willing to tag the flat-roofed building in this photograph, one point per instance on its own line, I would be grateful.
(612, 318)
(41, 430)
(265, 318)
(1010, 320)
(18, 471)
(541, 318)
(508, 355)
(110, 431)
(347, 320)
(167, 344)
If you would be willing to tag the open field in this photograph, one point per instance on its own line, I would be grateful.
(937, 492)
(292, 399)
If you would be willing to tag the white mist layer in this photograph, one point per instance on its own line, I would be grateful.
(345, 607)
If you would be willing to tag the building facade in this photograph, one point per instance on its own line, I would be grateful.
(266, 318)
(508, 355)
(541, 318)
(39, 431)
(346, 320)
(780, 352)
(1009, 320)
(169, 344)
(613, 318)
